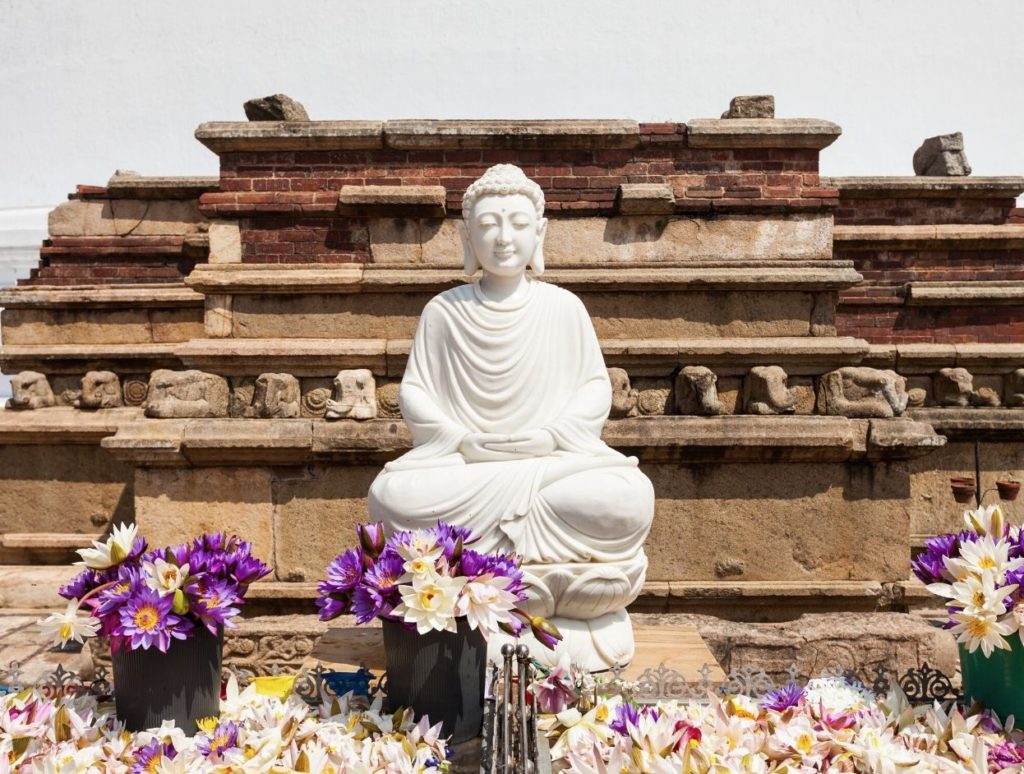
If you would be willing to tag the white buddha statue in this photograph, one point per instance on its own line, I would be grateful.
(506, 393)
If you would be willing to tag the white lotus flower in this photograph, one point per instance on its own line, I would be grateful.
(430, 602)
(111, 552)
(165, 577)
(986, 520)
(485, 602)
(69, 625)
(980, 555)
(982, 629)
(975, 593)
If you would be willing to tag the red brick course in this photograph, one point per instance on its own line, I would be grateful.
(922, 212)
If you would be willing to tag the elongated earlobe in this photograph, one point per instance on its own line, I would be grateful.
(469, 262)
(537, 262)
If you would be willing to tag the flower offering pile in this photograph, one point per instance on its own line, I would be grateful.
(428, 579)
(254, 733)
(142, 599)
(829, 725)
(980, 572)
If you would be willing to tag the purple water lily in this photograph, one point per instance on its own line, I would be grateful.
(626, 715)
(345, 572)
(1004, 755)
(147, 620)
(783, 698)
(214, 603)
(223, 738)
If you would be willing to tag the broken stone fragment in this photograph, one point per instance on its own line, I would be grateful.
(276, 396)
(30, 390)
(755, 106)
(696, 392)
(355, 395)
(765, 391)
(186, 394)
(955, 387)
(276, 107)
(1014, 388)
(100, 390)
(859, 392)
(942, 155)
(624, 397)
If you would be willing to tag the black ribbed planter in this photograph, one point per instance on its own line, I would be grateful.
(182, 684)
(438, 674)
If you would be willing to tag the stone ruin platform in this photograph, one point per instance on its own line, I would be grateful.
(709, 252)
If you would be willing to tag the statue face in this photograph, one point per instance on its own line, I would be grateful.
(504, 233)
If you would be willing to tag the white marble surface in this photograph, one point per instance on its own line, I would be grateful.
(505, 393)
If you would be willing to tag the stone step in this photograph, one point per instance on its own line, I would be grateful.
(100, 297)
(955, 236)
(42, 547)
(926, 187)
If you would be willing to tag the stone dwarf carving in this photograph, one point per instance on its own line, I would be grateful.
(506, 392)
(696, 392)
(624, 397)
(765, 391)
(275, 396)
(1014, 387)
(355, 395)
(100, 390)
(859, 392)
(955, 387)
(30, 390)
(186, 394)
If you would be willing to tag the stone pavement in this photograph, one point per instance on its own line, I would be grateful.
(31, 658)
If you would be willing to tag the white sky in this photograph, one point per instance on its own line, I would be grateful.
(88, 87)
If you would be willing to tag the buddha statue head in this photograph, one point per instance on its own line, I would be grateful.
(504, 217)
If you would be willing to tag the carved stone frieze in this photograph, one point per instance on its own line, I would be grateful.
(765, 391)
(276, 396)
(862, 393)
(1014, 388)
(955, 387)
(186, 394)
(134, 390)
(100, 390)
(624, 397)
(314, 402)
(696, 392)
(30, 390)
(355, 395)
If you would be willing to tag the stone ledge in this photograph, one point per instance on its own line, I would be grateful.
(645, 199)
(99, 296)
(425, 201)
(233, 136)
(555, 134)
(980, 358)
(79, 358)
(761, 133)
(393, 278)
(62, 425)
(907, 187)
(684, 440)
(946, 294)
(130, 186)
(992, 424)
(386, 357)
(952, 236)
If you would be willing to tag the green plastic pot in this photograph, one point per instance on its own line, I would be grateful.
(997, 682)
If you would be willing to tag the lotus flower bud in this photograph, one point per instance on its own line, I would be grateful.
(545, 632)
(371, 538)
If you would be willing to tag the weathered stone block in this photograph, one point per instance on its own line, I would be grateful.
(225, 242)
(756, 106)
(276, 107)
(624, 397)
(695, 392)
(765, 392)
(355, 395)
(861, 392)
(30, 390)
(798, 521)
(942, 156)
(184, 394)
(124, 217)
(173, 505)
(101, 390)
(275, 396)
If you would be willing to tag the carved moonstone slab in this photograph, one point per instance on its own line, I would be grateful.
(276, 396)
(697, 392)
(955, 387)
(355, 395)
(624, 397)
(100, 390)
(186, 394)
(765, 391)
(859, 392)
(30, 390)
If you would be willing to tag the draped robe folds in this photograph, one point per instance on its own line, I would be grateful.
(481, 367)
